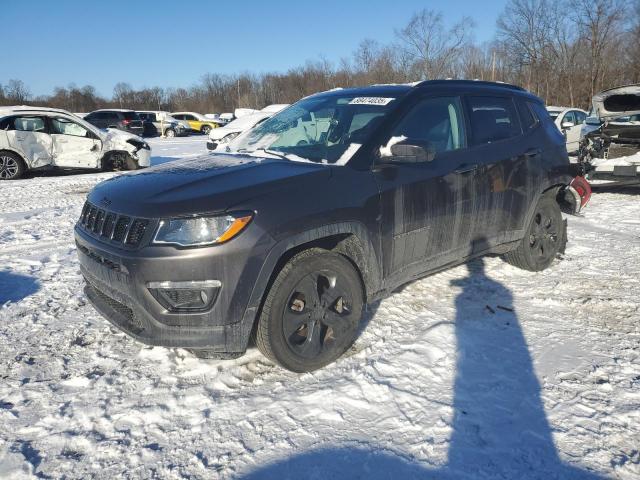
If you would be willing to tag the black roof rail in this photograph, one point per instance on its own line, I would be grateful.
(425, 83)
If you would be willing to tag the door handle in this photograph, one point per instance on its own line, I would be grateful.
(466, 169)
(532, 152)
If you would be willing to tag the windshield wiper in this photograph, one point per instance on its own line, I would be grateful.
(275, 153)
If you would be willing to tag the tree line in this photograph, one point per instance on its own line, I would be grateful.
(565, 51)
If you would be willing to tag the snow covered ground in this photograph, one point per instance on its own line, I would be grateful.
(483, 371)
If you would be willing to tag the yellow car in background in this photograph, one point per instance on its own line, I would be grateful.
(197, 122)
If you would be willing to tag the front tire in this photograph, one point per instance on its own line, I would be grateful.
(170, 133)
(205, 129)
(12, 167)
(543, 240)
(312, 311)
(119, 161)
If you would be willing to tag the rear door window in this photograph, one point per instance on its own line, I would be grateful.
(130, 116)
(492, 119)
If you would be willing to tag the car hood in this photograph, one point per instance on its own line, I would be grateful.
(617, 102)
(207, 184)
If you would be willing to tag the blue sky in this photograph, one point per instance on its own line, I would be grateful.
(173, 43)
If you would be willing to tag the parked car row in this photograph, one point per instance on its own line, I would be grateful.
(151, 123)
(222, 136)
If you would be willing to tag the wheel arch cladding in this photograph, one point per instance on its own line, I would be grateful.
(351, 240)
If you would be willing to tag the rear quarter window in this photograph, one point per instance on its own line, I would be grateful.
(541, 113)
(527, 119)
(492, 119)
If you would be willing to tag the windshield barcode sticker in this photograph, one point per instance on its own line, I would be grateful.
(371, 101)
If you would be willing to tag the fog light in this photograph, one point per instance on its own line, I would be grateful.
(185, 296)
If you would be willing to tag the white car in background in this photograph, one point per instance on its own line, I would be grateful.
(33, 138)
(569, 121)
(246, 121)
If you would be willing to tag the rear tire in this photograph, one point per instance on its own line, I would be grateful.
(205, 129)
(545, 237)
(312, 311)
(170, 133)
(12, 167)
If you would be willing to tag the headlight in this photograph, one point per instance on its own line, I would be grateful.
(229, 137)
(192, 232)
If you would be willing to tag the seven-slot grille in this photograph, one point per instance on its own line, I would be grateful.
(111, 226)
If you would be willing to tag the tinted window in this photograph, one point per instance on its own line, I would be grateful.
(541, 113)
(492, 119)
(29, 124)
(189, 117)
(130, 115)
(526, 117)
(435, 123)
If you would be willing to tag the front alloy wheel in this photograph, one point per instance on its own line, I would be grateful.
(312, 311)
(11, 167)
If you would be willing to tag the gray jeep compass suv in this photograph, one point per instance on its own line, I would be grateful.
(331, 204)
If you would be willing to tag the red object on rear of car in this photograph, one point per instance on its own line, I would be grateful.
(582, 186)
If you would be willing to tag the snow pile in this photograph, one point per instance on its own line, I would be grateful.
(482, 371)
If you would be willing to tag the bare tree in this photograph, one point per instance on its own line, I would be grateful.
(431, 46)
(17, 92)
(600, 23)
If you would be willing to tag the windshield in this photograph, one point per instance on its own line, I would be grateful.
(323, 129)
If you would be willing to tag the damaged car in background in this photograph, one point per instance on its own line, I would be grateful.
(34, 138)
(611, 136)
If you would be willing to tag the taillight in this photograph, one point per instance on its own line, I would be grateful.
(582, 186)
(126, 122)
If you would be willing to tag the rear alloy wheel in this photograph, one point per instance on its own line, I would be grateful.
(545, 238)
(205, 129)
(312, 311)
(11, 166)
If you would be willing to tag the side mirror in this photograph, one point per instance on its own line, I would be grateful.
(411, 153)
(568, 124)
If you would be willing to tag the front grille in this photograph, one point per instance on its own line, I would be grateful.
(112, 227)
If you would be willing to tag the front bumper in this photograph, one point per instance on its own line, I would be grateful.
(118, 283)
(143, 156)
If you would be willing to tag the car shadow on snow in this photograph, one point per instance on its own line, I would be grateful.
(499, 425)
(14, 286)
